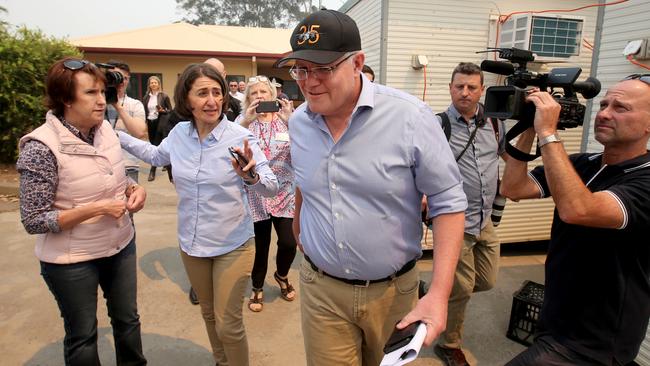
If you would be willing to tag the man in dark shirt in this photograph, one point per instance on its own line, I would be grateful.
(597, 297)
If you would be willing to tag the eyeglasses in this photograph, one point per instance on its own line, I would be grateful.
(641, 77)
(320, 73)
(75, 65)
(258, 79)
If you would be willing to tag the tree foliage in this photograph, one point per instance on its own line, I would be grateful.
(246, 13)
(25, 57)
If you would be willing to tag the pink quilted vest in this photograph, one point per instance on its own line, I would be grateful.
(86, 174)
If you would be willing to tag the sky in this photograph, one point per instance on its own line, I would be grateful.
(82, 18)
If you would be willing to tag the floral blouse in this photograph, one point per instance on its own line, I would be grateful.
(273, 139)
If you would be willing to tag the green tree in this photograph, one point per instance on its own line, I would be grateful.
(25, 57)
(247, 13)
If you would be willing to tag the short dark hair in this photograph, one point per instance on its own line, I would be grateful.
(467, 68)
(120, 65)
(61, 86)
(367, 69)
(184, 85)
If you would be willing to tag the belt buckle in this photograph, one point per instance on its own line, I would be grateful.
(366, 284)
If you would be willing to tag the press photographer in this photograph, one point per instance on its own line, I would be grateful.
(597, 296)
(123, 112)
(509, 101)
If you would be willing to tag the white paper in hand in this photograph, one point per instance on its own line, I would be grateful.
(407, 353)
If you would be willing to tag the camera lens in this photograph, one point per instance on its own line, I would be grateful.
(114, 78)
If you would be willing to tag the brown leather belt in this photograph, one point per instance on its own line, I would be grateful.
(364, 283)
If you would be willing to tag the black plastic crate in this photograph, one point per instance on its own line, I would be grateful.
(526, 305)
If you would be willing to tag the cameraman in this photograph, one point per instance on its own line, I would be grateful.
(597, 297)
(127, 114)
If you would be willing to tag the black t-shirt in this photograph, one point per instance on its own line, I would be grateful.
(597, 296)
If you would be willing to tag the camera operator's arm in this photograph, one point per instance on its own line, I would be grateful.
(575, 203)
(132, 116)
(516, 183)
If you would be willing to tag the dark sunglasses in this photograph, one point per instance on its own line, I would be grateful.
(641, 77)
(75, 64)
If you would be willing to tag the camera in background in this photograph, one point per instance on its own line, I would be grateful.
(113, 80)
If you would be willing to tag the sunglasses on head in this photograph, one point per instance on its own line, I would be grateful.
(75, 64)
(258, 79)
(641, 77)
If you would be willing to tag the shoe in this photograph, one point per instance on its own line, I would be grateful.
(450, 356)
(152, 175)
(286, 289)
(193, 298)
(256, 301)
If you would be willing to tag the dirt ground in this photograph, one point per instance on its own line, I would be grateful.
(8, 190)
(31, 330)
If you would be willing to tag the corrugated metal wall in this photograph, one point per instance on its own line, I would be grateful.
(621, 24)
(448, 32)
(367, 14)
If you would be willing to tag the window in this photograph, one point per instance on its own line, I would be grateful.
(291, 89)
(551, 38)
(137, 87)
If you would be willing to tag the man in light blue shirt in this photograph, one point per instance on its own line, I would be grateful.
(364, 154)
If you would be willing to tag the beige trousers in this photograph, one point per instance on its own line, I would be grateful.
(476, 271)
(220, 283)
(348, 325)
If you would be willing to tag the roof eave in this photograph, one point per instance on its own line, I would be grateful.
(140, 51)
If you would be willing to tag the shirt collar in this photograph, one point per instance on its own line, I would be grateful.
(456, 114)
(216, 132)
(642, 161)
(75, 131)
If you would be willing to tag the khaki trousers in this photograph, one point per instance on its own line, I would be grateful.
(344, 324)
(220, 283)
(476, 271)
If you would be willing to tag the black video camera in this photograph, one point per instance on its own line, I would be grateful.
(509, 101)
(113, 79)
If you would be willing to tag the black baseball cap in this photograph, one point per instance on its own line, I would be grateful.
(323, 37)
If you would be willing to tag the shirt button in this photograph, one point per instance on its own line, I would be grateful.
(336, 215)
(333, 185)
(341, 245)
(332, 157)
(347, 270)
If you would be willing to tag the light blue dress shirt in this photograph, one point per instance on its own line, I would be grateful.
(360, 215)
(479, 166)
(213, 213)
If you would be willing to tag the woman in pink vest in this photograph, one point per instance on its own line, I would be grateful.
(75, 196)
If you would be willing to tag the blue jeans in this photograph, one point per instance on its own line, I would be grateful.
(74, 287)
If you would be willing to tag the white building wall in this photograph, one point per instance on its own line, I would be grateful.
(621, 23)
(448, 32)
(367, 14)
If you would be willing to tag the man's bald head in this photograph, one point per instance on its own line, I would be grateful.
(214, 62)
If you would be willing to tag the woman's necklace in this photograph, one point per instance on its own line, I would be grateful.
(267, 142)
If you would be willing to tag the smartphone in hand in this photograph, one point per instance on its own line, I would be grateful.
(401, 337)
(241, 160)
(268, 106)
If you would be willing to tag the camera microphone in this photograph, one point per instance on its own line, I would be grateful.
(498, 67)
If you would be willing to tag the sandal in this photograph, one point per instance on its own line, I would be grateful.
(256, 301)
(286, 288)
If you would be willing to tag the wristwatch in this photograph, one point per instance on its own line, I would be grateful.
(548, 139)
